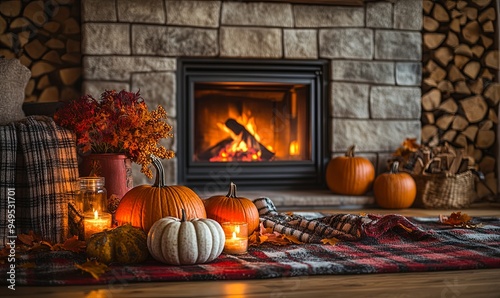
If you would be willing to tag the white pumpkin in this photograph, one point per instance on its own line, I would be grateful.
(185, 242)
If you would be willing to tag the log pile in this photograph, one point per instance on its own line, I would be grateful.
(45, 37)
(460, 87)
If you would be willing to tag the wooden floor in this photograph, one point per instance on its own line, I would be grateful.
(464, 283)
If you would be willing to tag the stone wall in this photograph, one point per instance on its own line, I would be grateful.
(374, 53)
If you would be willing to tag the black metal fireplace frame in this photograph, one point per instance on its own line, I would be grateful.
(212, 177)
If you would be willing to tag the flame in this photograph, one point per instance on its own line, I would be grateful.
(238, 149)
(96, 214)
(294, 148)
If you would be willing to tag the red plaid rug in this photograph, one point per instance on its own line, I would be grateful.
(442, 248)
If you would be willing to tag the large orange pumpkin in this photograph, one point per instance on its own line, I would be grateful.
(394, 190)
(231, 208)
(349, 174)
(143, 205)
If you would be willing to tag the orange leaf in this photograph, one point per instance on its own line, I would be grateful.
(26, 239)
(71, 244)
(93, 267)
(40, 245)
(332, 241)
(455, 219)
(278, 240)
(411, 144)
(293, 239)
(252, 239)
(270, 236)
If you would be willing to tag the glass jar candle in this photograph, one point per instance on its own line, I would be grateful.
(93, 201)
(236, 237)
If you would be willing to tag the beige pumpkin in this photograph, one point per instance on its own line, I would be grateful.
(185, 242)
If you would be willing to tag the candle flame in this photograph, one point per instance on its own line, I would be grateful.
(294, 148)
(96, 214)
(234, 235)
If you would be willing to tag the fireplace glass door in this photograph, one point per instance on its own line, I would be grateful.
(256, 123)
(251, 122)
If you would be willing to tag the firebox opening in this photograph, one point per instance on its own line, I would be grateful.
(258, 123)
(251, 122)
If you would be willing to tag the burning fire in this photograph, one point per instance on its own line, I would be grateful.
(245, 145)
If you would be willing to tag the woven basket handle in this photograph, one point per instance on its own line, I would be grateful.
(425, 170)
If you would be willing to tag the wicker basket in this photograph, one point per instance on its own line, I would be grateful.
(444, 191)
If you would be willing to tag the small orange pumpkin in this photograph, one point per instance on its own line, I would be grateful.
(143, 205)
(394, 190)
(231, 208)
(349, 174)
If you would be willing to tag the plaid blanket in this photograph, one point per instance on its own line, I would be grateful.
(341, 226)
(8, 149)
(41, 168)
(443, 248)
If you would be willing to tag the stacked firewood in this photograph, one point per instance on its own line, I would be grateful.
(444, 159)
(45, 36)
(461, 92)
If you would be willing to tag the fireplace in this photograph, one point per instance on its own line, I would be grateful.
(256, 123)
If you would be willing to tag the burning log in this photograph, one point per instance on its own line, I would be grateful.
(237, 128)
(244, 136)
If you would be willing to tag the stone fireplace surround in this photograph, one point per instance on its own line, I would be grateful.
(374, 53)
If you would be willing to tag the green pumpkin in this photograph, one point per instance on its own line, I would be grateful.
(124, 244)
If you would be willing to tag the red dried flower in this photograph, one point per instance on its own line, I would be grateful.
(117, 122)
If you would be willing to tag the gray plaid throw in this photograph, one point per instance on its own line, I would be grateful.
(39, 162)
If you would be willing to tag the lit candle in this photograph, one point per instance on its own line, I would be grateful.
(96, 223)
(236, 237)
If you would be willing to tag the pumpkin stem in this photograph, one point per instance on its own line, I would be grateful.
(160, 172)
(232, 191)
(183, 215)
(395, 167)
(350, 151)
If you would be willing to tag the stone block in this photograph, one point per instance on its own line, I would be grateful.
(251, 42)
(95, 88)
(408, 73)
(192, 42)
(99, 10)
(349, 100)
(390, 102)
(363, 71)
(257, 14)
(379, 15)
(157, 88)
(408, 15)
(104, 39)
(174, 41)
(396, 45)
(193, 13)
(120, 68)
(309, 16)
(145, 11)
(346, 43)
(149, 40)
(372, 135)
(300, 44)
